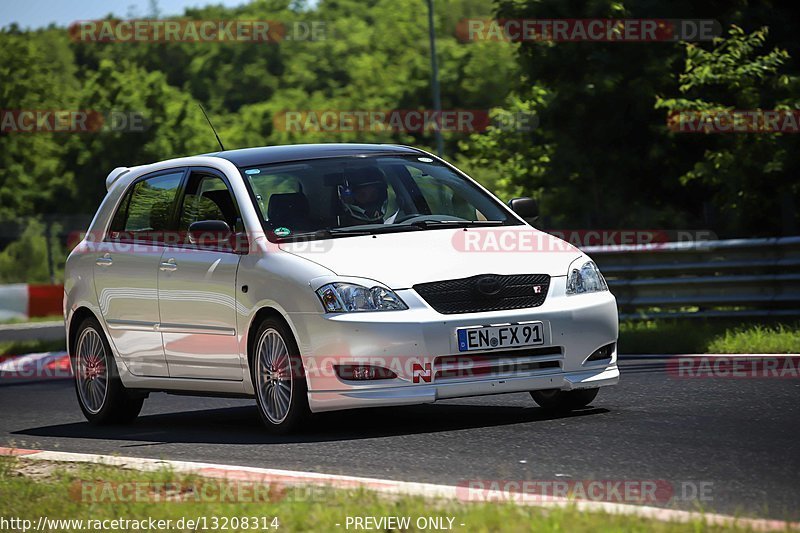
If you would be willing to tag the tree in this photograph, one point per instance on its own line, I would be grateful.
(602, 156)
(751, 176)
(172, 126)
(33, 177)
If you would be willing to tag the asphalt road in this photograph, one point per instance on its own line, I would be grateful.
(736, 438)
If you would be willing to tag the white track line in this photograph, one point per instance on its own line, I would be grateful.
(387, 486)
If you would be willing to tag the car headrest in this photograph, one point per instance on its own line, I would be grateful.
(222, 199)
(288, 209)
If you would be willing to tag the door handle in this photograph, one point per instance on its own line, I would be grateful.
(168, 265)
(104, 261)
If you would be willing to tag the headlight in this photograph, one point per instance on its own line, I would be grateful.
(585, 279)
(348, 297)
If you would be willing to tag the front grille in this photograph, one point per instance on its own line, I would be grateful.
(486, 292)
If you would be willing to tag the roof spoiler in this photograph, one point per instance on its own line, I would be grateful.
(114, 175)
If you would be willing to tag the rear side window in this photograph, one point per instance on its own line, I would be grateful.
(208, 198)
(146, 211)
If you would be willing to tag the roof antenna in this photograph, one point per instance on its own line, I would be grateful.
(212, 127)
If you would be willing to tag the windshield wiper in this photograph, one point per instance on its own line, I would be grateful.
(425, 224)
(327, 233)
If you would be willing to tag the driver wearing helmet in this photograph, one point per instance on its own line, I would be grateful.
(364, 196)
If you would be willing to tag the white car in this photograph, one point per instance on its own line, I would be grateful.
(324, 277)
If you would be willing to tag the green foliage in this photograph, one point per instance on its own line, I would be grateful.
(25, 260)
(758, 339)
(602, 156)
(667, 336)
(32, 174)
(688, 336)
(172, 125)
(599, 156)
(752, 177)
(23, 347)
(371, 56)
(504, 159)
(732, 63)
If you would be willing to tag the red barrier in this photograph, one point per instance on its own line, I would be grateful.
(45, 300)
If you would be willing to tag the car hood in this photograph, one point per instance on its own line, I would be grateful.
(401, 260)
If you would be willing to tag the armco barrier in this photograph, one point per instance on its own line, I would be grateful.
(724, 278)
(33, 331)
(710, 279)
(23, 301)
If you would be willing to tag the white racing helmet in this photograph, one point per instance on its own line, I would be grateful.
(365, 195)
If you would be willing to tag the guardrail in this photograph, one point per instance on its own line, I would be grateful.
(709, 279)
(33, 331)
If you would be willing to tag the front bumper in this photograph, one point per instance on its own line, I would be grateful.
(334, 400)
(415, 345)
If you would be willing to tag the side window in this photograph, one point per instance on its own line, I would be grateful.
(265, 185)
(144, 214)
(208, 198)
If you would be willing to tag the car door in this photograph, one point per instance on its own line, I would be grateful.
(126, 271)
(197, 286)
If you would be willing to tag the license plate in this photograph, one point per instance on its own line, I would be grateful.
(492, 337)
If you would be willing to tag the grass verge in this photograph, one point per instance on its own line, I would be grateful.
(707, 336)
(31, 489)
(49, 318)
(32, 346)
(758, 339)
(25, 347)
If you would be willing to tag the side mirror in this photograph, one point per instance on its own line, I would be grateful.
(210, 234)
(525, 207)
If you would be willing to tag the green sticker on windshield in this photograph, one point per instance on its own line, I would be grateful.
(282, 232)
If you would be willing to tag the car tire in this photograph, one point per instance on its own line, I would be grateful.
(101, 395)
(560, 400)
(279, 378)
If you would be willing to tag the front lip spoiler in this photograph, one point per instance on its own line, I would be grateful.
(321, 401)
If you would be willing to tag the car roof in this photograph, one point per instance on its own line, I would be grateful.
(247, 157)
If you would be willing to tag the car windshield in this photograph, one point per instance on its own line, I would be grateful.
(326, 198)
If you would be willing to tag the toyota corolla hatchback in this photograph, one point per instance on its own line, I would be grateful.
(322, 277)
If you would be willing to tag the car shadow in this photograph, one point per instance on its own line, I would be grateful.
(242, 425)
